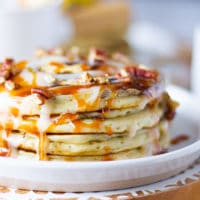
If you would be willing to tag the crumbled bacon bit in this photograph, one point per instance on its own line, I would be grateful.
(41, 94)
(97, 57)
(140, 78)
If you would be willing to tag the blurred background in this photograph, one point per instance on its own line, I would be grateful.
(157, 33)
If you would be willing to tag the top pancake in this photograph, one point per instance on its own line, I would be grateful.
(71, 83)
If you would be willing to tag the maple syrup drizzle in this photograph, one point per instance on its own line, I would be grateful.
(34, 74)
(4, 147)
(109, 130)
(42, 146)
(63, 118)
(21, 65)
(14, 111)
(107, 156)
(21, 92)
(21, 81)
(84, 67)
(62, 90)
(60, 67)
(29, 126)
(73, 89)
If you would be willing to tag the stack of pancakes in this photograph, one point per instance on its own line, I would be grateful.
(65, 106)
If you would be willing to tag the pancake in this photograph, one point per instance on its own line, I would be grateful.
(64, 145)
(142, 151)
(72, 107)
(130, 154)
(85, 100)
(144, 118)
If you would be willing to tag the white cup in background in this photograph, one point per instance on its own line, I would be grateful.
(22, 31)
(195, 73)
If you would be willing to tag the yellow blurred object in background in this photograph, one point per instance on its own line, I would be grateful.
(68, 3)
(101, 24)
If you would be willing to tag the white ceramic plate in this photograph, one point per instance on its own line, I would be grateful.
(99, 176)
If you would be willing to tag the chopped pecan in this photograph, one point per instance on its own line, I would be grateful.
(97, 57)
(7, 70)
(140, 78)
(87, 79)
(9, 61)
(4, 73)
(41, 94)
